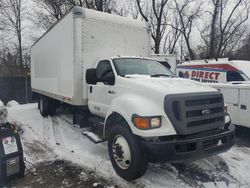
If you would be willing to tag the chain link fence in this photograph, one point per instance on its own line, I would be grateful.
(15, 88)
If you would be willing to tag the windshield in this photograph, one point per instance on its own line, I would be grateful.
(244, 77)
(128, 66)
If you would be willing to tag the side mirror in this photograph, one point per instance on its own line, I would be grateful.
(91, 77)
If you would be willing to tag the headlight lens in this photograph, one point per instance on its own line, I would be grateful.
(227, 119)
(225, 109)
(155, 122)
(145, 123)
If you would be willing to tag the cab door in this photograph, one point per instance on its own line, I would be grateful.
(102, 94)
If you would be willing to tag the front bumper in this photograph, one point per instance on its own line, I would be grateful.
(189, 148)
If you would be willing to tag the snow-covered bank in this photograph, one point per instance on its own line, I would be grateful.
(55, 138)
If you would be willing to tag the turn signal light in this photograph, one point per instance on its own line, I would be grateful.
(142, 123)
(145, 123)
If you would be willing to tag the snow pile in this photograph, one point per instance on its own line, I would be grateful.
(12, 104)
(1, 104)
(56, 138)
(3, 114)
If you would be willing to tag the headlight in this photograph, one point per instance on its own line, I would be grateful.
(145, 123)
(227, 119)
(225, 109)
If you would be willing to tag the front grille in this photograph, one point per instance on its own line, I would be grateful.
(198, 102)
(204, 122)
(196, 112)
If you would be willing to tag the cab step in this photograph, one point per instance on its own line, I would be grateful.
(86, 120)
(92, 136)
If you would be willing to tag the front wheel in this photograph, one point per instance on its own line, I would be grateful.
(126, 154)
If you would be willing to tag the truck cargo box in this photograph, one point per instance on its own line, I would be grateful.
(75, 43)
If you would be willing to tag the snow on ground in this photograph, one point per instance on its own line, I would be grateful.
(12, 103)
(56, 138)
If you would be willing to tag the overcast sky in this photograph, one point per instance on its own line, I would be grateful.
(31, 31)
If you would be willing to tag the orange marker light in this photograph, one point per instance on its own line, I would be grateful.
(142, 123)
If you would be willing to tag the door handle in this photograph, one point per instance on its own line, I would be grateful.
(111, 92)
(243, 107)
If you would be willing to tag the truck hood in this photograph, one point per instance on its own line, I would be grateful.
(169, 85)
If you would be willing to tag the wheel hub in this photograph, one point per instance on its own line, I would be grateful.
(121, 152)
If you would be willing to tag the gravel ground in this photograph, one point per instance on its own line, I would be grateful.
(64, 173)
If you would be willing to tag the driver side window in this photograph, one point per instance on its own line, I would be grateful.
(234, 76)
(104, 71)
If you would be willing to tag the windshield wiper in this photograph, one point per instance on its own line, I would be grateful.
(159, 75)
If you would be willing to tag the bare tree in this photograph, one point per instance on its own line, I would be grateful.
(155, 14)
(213, 28)
(188, 11)
(226, 27)
(243, 52)
(133, 9)
(53, 10)
(172, 35)
(11, 17)
(101, 5)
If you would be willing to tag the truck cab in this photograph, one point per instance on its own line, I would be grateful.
(152, 116)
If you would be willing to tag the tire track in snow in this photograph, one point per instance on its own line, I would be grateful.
(195, 175)
(58, 140)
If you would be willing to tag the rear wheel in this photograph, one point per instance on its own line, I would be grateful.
(52, 107)
(43, 106)
(126, 154)
(46, 106)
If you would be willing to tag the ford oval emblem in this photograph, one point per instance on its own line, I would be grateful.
(206, 112)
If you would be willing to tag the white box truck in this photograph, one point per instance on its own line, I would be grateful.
(96, 64)
(236, 97)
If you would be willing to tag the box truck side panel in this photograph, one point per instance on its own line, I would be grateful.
(60, 58)
(231, 98)
(52, 62)
(244, 107)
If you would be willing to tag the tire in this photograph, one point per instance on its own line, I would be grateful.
(52, 107)
(46, 106)
(43, 106)
(38, 104)
(125, 147)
